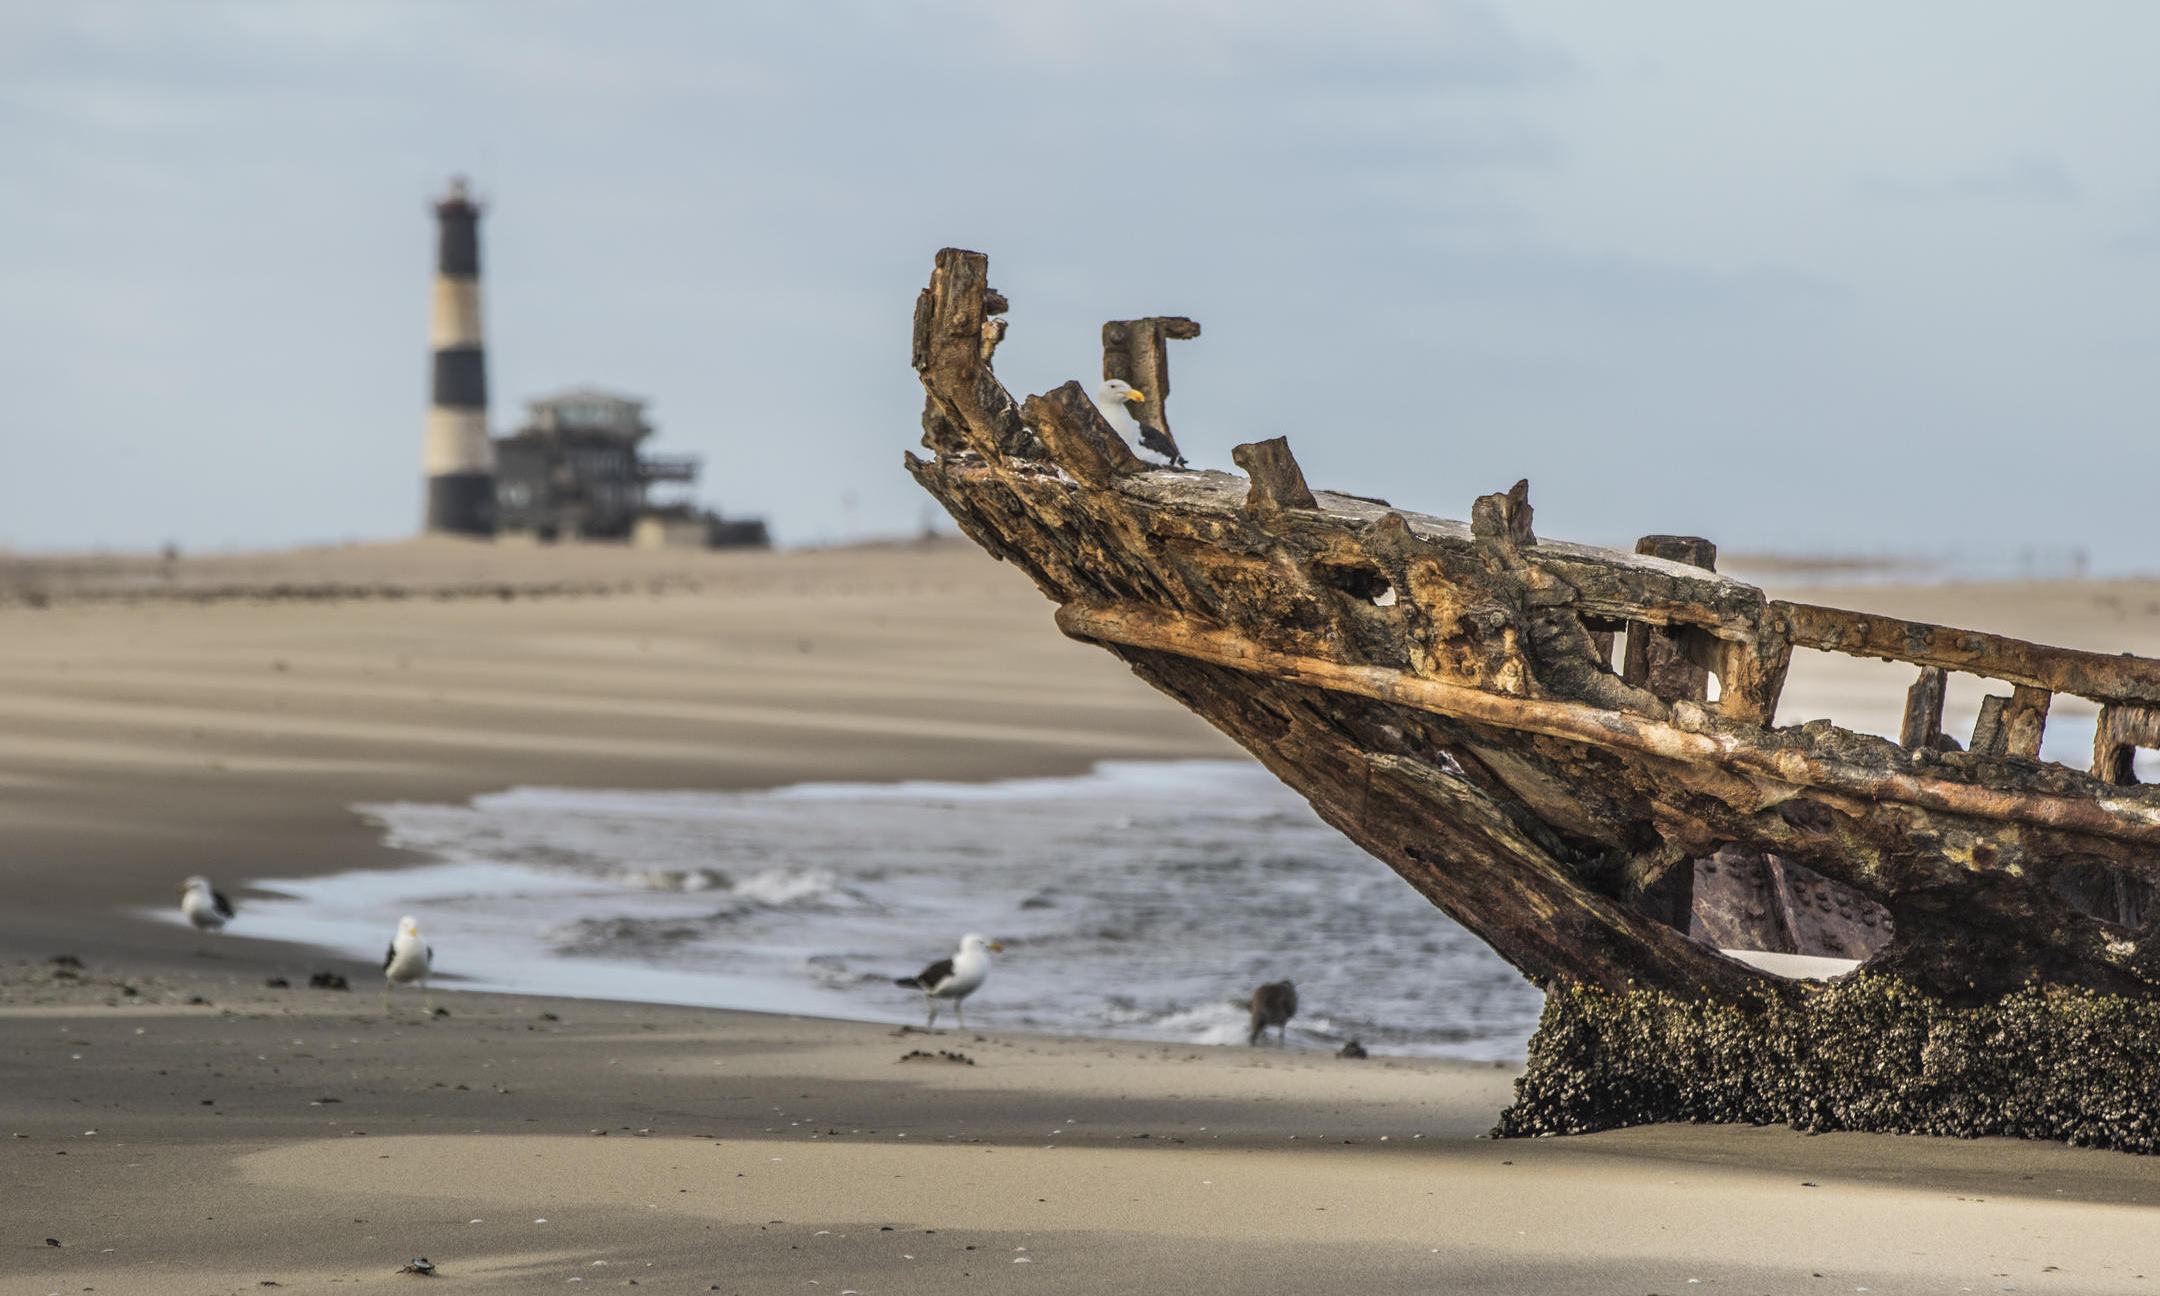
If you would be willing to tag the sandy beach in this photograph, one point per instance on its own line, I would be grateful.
(223, 715)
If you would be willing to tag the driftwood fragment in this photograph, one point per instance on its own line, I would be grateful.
(1922, 727)
(2013, 725)
(968, 409)
(1077, 436)
(2025, 721)
(1988, 735)
(1505, 517)
(1277, 481)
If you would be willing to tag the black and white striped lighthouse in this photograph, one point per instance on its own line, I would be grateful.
(457, 455)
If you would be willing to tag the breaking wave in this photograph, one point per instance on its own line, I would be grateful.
(1143, 899)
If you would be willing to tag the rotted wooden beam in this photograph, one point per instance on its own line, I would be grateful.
(1277, 481)
(1078, 438)
(1505, 517)
(954, 337)
(2013, 725)
(1987, 734)
(2098, 676)
(2123, 728)
(1137, 351)
(2025, 721)
(1674, 660)
(1156, 630)
(1657, 659)
(1922, 727)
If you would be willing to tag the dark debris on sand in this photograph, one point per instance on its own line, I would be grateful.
(942, 1055)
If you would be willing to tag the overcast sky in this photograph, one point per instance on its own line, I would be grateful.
(1838, 276)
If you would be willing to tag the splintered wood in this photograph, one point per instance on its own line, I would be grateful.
(1446, 695)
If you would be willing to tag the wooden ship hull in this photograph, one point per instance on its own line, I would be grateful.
(1575, 753)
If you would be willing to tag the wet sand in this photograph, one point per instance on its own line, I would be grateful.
(151, 727)
(299, 1137)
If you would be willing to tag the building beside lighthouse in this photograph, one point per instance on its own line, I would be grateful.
(456, 454)
(576, 470)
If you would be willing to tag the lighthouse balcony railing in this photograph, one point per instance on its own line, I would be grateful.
(669, 468)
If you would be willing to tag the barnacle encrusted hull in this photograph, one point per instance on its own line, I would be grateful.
(1526, 730)
(1865, 1053)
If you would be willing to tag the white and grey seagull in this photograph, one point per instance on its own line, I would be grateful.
(204, 905)
(954, 978)
(408, 960)
(1115, 398)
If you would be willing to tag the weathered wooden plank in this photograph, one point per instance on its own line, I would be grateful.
(1922, 727)
(1079, 439)
(1988, 735)
(2122, 729)
(1156, 630)
(1277, 481)
(1675, 660)
(2098, 676)
(1608, 584)
(2025, 721)
(1657, 658)
(1505, 517)
(965, 408)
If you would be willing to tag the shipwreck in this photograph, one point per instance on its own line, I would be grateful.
(1576, 753)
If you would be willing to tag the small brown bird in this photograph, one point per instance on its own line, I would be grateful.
(1273, 1004)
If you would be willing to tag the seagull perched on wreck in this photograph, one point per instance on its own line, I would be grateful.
(204, 905)
(409, 959)
(1273, 1004)
(954, 978)
(1115, 398)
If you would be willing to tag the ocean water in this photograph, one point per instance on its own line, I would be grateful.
(1141, 900)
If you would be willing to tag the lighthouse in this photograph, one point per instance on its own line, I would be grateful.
(456, 454)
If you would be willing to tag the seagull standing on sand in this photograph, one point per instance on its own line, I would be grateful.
(954, 978)
(408, 960)
(1273, 1004)
(204, 905)
(1115, 398)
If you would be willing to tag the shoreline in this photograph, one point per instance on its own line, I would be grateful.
(238, 742)
(299, 1137)
(809, 898)
(523, 1141)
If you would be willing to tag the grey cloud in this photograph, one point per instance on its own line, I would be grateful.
(2019, 180)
